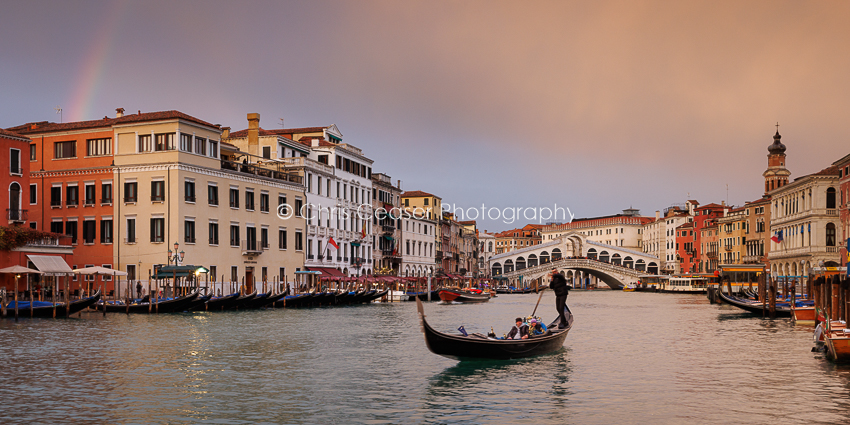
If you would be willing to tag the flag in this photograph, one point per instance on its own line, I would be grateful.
(777, 237)
(332, 243)
(363, 232)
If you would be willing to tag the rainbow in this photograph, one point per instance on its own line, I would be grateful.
(87, 84)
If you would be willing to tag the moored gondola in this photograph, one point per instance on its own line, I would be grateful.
(241, 301)
(376, 295)
(256, 302)
(163, 305)
(46, 309)
(477, 346)
(218, 303)
(754, 306)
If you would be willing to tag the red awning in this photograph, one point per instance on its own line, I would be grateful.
(326, 271)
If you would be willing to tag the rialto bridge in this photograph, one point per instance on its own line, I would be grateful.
(579, 258)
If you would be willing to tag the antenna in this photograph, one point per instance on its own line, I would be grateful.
(281, 123)
(59, 111)
(727, 193)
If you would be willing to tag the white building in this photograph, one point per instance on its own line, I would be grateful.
(417, 245)
(624, 230)
(338, 186)
(487, 249)
(659, 235)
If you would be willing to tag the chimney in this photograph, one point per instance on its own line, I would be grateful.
(254, 134)
(723, 203)
(314, 143)
(399, 184)
(119, 112)
(225, 132)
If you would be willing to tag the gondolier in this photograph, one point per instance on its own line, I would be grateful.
(562, 290)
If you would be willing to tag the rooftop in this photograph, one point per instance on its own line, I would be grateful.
(48, 127)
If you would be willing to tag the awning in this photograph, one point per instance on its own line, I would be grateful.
(326, 271)
(51, 265)
(388, 237)
(167, 272)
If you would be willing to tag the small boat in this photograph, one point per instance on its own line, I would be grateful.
(478, 346)
(755, 306)
(45, 309)
(435, 295)
(462, 296)
(256, 302)
(804, 315)
(629, 288)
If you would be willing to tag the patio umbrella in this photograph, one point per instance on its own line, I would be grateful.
(16, 270)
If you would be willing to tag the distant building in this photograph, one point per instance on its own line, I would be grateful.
(510, 240)
(387, 224)
(623, 230)
(733, 236)
(487, 249)
(843, 166)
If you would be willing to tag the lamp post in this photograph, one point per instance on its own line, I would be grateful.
(176, 257)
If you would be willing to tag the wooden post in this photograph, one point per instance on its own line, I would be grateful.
(104, 299)
(53, 296)
(793, 297)
(835, 302)
(32, 298)
(3, 303)
(772, 299)
(67, 297)
(763, 294)
(16, 297)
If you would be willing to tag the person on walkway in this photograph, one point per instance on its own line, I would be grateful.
(520, 331)
(562, 290)
(138, 289)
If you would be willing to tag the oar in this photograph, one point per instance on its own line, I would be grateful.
(538, 302)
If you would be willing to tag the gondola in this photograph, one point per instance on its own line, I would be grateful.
(218, 303)
(376, 295)
(45, 309)
(242, 301)
(256, 302)
(460, 296)
(754, 306)
(164, 306)
(198, 302)
(297, 300)
(478, 346)
(435, 295)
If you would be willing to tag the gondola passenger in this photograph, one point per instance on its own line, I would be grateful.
(519, 331)
(536, 328)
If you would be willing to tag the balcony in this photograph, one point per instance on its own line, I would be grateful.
(17, 215)
(270, 169)
(250, 247)
(106, 201)
(129, 199)
(306, 162)
(388, 229)
(89, 202)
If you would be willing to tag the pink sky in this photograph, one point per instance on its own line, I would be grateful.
(596, 106)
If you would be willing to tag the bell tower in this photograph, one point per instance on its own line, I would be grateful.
(776, 174)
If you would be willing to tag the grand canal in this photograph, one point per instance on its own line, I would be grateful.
(631, 358)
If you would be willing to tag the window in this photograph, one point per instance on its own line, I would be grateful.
(264, 238)
(99, 147)
(323, 159)
(15, 161)
(299, 241)
(164, 142)
(234, 235)
(89, 228)
(189, 231)
(106, 193)
(158, 190)
(830, 234)
(72, 195)
(249, 200)
(267, 152)
(145, 144)
(189, 191)
(212, 194)
(65, 149)
(426, 201)
(234, 274)
(298, 205)
(213, 145)
(33, 194)
(213, 274)
(33, 154)
(264, 202)
(131, 272)
(281, 238)
(281, 276)
(234, 198)
(157, 229)
(186, 142)
(106, 230)
(200, 146)
(71, 230)
(131, 230)
(56, 227)
(830, 198)
(56, 196)
(130, 191)
(90, 197)
(281, 204)
(213, 233)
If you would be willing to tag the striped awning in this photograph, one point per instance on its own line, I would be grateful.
(51, 265)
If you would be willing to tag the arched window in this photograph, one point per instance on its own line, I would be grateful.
(830, 197)
(491, 247)
(830, 234)
(15, 202)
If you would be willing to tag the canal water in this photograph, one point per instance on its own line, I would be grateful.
(630, 358)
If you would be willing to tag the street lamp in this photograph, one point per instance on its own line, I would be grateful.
(175, 256)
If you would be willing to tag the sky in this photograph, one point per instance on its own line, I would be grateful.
(592, 106)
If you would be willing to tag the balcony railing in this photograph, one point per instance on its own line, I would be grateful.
(157, 198)
(251, 247)
(189, 239)
(105, 201)
(17, 214)
(190, 198)
(275, 170)
(131, 199)
(62, 240)
(15, 169)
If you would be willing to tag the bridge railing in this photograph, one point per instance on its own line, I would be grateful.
(575, 262)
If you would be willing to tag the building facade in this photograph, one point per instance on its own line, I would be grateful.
(387, 225)
(418, 245)
(625, 230)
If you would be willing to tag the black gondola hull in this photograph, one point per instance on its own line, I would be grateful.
(757, 308)
(61, 310)
(473, 347)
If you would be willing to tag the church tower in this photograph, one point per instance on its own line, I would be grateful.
(776, 174)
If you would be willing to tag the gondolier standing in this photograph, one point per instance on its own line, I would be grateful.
(559, 286)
